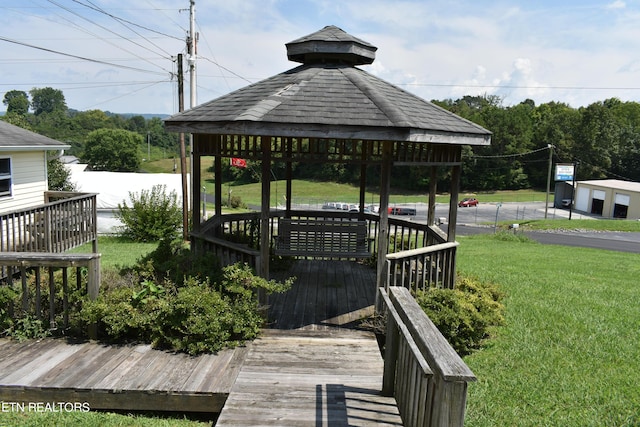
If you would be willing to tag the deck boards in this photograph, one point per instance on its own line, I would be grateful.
(128, 377)
(326, 294)
(310, 378)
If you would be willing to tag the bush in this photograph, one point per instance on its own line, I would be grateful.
(195, 317)
(465, 315)
(153, 216)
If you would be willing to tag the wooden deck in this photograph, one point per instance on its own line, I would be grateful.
(311, 378)
(326, 294)
(128, 377)
(308, 368)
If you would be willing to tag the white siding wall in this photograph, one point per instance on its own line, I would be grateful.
(29, 176)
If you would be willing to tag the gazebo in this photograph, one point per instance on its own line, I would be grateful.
(326, 110)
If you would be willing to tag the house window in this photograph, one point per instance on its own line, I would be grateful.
(5, 177)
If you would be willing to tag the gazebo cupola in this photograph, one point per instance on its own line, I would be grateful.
(331, 45)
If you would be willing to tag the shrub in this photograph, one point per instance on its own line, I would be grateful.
(465, 315)
(235, 202)
(195, 317)
(154, 215)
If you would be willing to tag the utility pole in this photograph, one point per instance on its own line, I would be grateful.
(192, 50)
(183, 156)
(191, 59)
(546, 203)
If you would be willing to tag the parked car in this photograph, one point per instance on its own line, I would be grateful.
(467, 202)
(401, 211)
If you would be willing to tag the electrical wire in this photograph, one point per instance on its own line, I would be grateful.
(504, 156)
(124, 23)
(97, 61)
(92, 6)
(114, 33)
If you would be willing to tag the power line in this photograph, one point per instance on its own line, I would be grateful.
(97, 61)
(112, 32)
(493, 86)
(98, 9)
(504, 156)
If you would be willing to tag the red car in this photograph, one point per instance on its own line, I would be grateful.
(469, 201)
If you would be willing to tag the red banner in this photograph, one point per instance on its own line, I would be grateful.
(239, 163)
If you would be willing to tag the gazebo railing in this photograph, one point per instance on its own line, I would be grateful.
(417, 250)
(431, 266)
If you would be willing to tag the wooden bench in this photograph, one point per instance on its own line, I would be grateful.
(324, 238)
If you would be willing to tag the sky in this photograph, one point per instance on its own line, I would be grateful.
(120, 56)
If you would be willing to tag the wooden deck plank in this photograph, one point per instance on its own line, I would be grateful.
(306, 378)
(22, 354)
(102, 365)
(115, 377)
(41, 364)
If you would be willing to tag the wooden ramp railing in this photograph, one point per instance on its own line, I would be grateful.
(421, 370)
(422, 268)
(24, 263)
(67, 220)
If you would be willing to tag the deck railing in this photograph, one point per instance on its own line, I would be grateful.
(29, 267)
(421, 370)
(65, 221)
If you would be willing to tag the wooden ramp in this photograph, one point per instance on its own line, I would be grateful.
(127, 377)
(311, 378)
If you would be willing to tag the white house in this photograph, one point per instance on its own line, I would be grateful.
(23, 167)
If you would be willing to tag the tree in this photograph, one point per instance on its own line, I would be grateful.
(113, 150)
(58, 176)
(17, 102)
(47, 100)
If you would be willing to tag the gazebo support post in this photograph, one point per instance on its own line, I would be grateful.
(453, 203)
(363, 185)
(196, 218)
(383, 234)
(289, 177)
(433, 185)
(217, 167)
(264, 213)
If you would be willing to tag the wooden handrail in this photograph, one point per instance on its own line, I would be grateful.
(65, 221)
(427, 396)
(22, 261)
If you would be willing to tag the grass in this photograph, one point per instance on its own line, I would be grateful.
(94, 418)
(568, 355)
(581, 224)
(118, 252)
(320, 192)
(315, 192)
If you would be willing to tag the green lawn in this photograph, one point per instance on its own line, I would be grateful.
(315, 192)
(118, 252)
(568, 355)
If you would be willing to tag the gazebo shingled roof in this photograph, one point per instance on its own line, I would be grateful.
(329, 98)
(342, 113)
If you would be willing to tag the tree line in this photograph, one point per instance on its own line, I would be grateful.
(603, 137)
(104, 140)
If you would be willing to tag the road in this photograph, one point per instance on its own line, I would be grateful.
(471, 220)
(482, 218)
